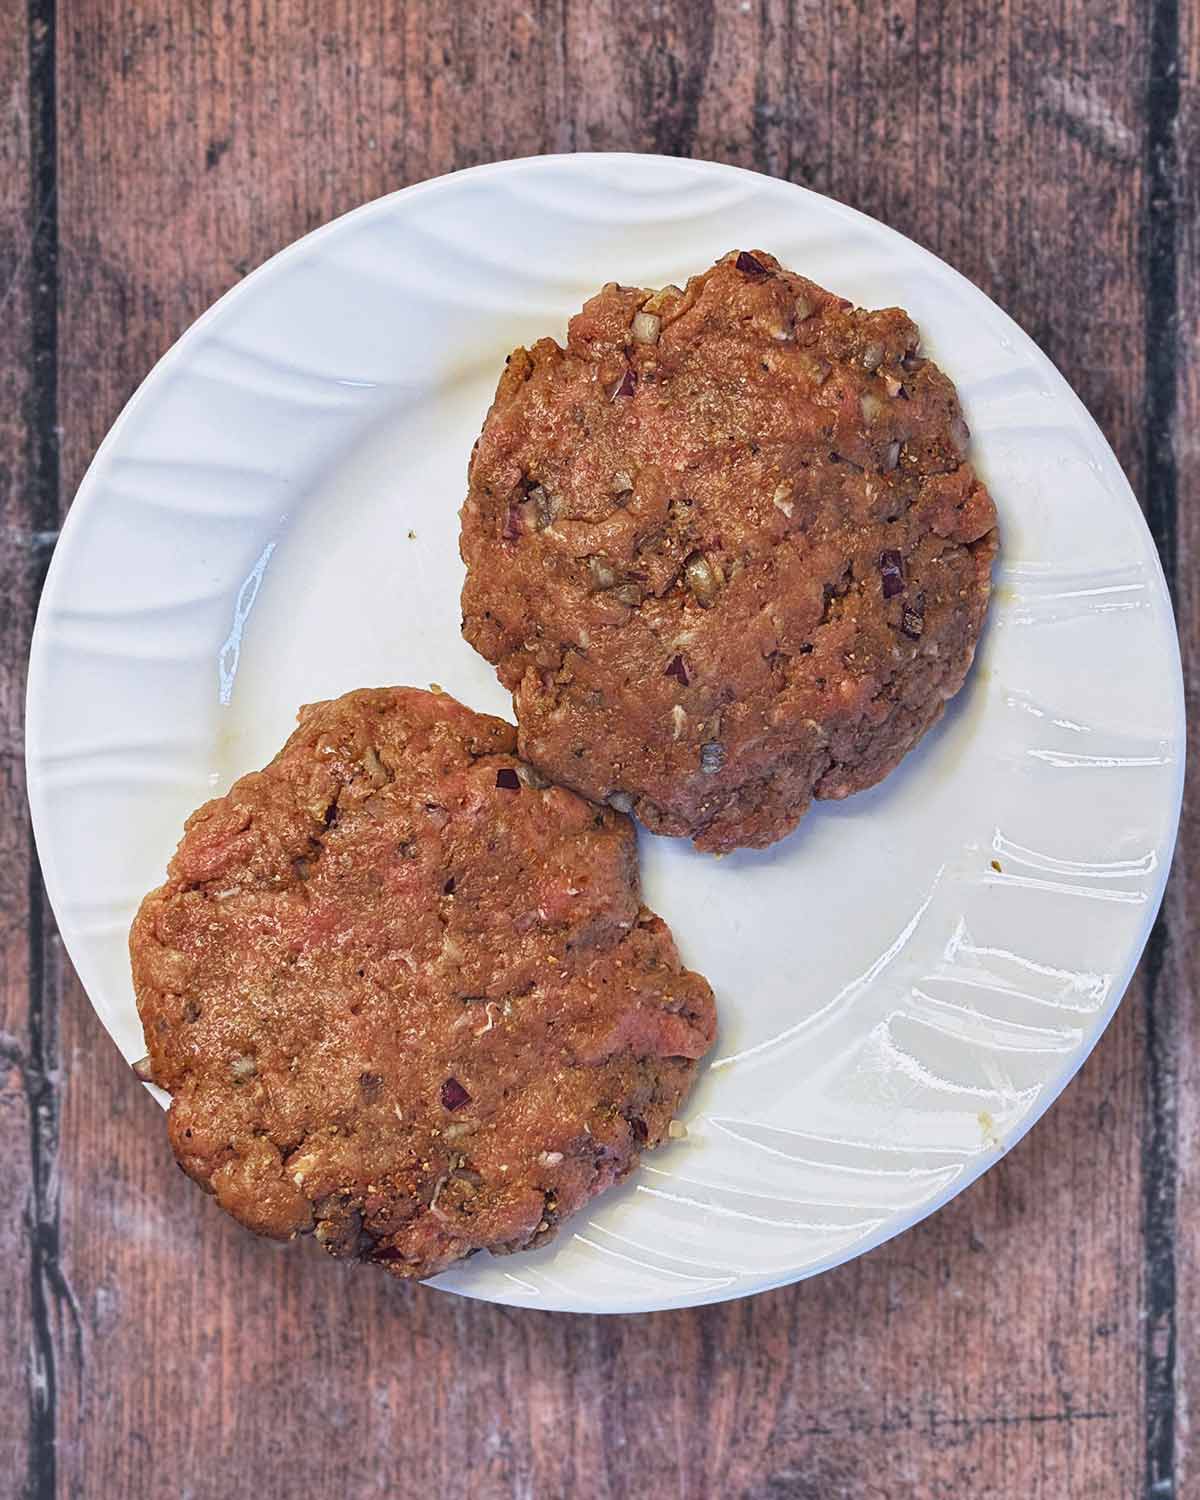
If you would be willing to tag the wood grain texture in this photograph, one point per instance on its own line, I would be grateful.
(1172, 431)
(37, 1311)
(16, 1187)
(1027, 1341)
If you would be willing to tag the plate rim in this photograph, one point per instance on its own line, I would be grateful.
(36, 690)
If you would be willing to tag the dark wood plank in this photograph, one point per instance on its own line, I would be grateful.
(996, 1350)
(1173, 458)
(28, 478)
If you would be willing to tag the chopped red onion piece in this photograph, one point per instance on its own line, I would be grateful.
(448, 888)
(625, 386)
(872, 356)
(749, 266)
(891, 456)
(891, 569)
(639, 1130)
(677, 668)
(508, 779)
(143, 1070)
(912, 618)
(454, 1096)
(530, 514)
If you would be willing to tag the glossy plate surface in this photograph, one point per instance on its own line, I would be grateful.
(908, 981)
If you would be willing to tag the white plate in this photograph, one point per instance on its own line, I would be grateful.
(904, 984)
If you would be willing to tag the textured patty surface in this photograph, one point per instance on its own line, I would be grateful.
(403, 993)
(725, 549)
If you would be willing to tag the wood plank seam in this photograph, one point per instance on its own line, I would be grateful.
(1160, 1164)
(40, 1073)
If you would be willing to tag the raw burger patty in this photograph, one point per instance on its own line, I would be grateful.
(403, 993)
(725, 549)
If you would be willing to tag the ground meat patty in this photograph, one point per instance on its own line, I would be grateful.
(403, 993)
(725, 549)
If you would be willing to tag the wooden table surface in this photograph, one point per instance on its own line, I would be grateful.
(1037, 1338)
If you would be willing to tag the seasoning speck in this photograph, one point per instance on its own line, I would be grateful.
(712, 757)
(891, 571)
(912, 619)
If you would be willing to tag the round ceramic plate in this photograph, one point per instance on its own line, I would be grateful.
(904, 984)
